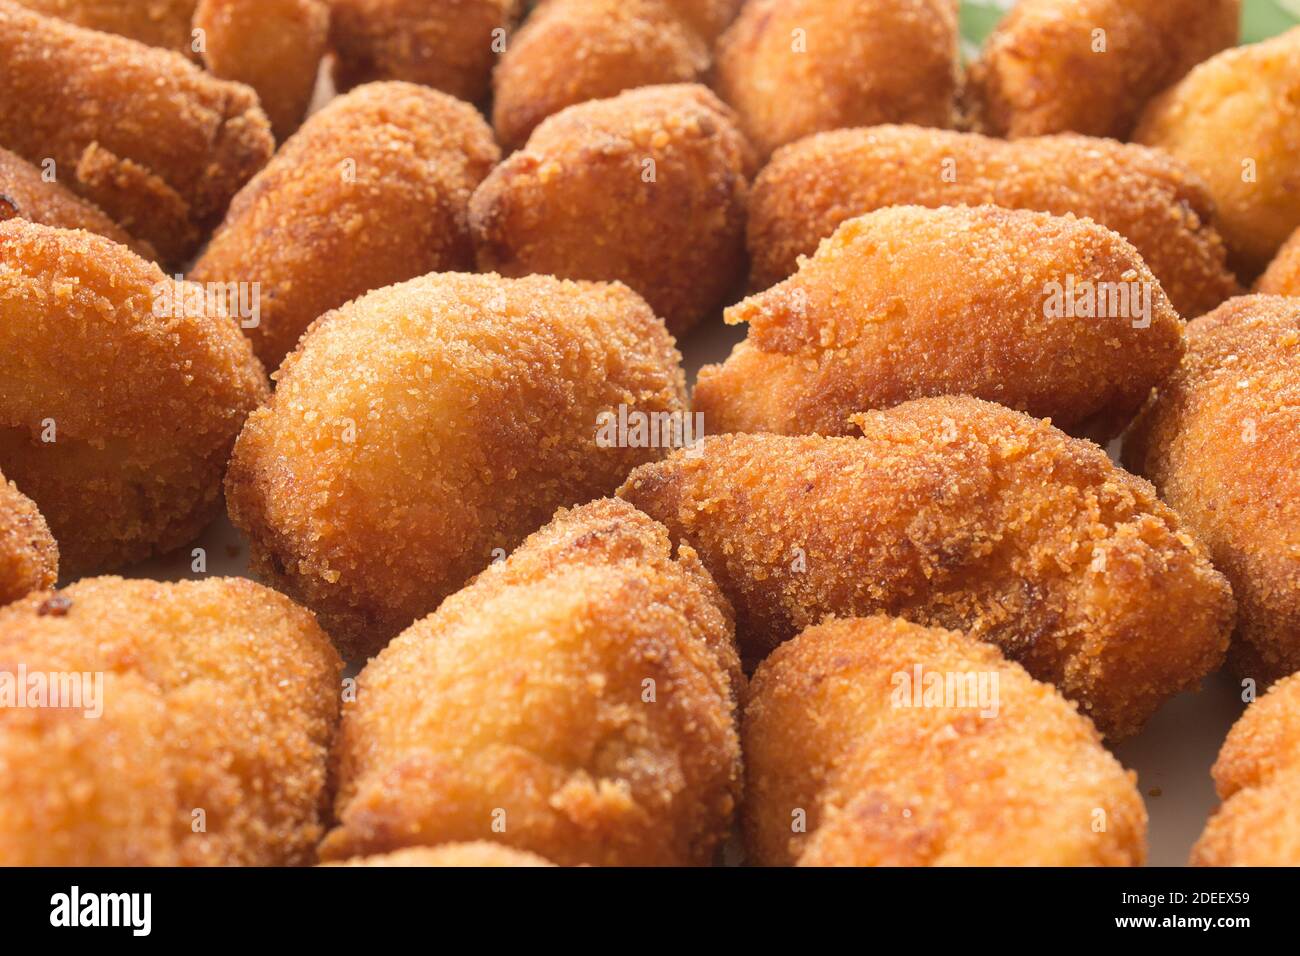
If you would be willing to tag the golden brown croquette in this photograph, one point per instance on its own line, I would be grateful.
(29, 555)
(1282, 277)
(164, 23)
(476, 853)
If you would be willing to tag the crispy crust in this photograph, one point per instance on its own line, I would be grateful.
(909, 302)
(796, 67)
(1041, 71)
(648, 188)
(1258, 779)
(1153, 201)
(424, 426)
(1283, 274)
(477, 853)
(115, 418)
(518, 711)
(1025, 783)
(218, 695)
(374, 189)
(29, 555)
(957, 513)
(158, 144)
(164, 23)
(1221, 442)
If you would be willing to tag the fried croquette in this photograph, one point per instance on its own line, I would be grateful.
(1221, 442)
(374, 189)
(477, 854)
(275, 46)
(119, 404)
(577, 701)
(1282, 277)
(451, 45)
(26, 194)
(29, 555)
(957, 513)
(164, 23)
(154, 141)
(190, 726)
(1257, 777)
(1055, 316)
(572, 51)
(1235, 120)
(427, 427)
(875, 742)
(648, 188)
(1154, 202)
(1089, 66)
(791, 68)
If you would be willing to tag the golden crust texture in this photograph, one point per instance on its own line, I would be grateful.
(850, 763)
(1221, 442)
(116, 416)
(1282, 277)
(29, 555)
(451, 45)
(428, 425)
(478, 853)
(577, 701)
(953, 512)
(791, 68)
(1090, 66)
(1235, 120)
(811, 187)
(910, 302)
(25, 194)
(648, 188)
(158, 144)
(217, 699)
(1257, 777)
(164, 23)
(374, 189)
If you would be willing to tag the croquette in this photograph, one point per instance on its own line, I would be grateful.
(1055, 316)
(1235, 120)
(792, 68)
(1089, 66)
(275, 46)
(1257, 777)
(428, 427)
(374, 189)
(1154, 202)
(451, 45)
(958, 513)
(1221, 442)
(876, 742)
(577, 701)
(1282, 277)
(164, 23)
(154, 141)
(29, 555)
(648, 188)
(477, 853)
(180, 724)
(572, 51)
(119, 399)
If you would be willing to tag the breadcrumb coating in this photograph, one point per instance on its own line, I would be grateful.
(1221, 442)
(1235, 120)
(648, 188)
(25, 194)
(1089, 66)
(118, 406)
(577, 701)
(953, 512)
(792, 68)
(836, 741)
(910, 302)
(1163, 208)
(374, 189)
(451, 45)
(29, 555)
(1282, 277)
(154, 141)
(426, 427)
(164, 23)
(477, 854)
(218, 701)
(1257, 776)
